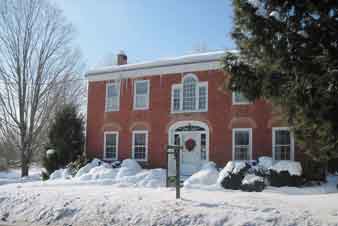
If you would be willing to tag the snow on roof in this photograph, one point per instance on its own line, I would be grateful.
(197, 58)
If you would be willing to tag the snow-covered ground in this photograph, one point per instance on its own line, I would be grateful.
(37, 203)
(99, 195)
(14, 175)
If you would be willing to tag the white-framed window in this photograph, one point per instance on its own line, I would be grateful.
(241, 144)
(141, 94)
(140, 145)
(113, 96)
(238, 98)
(189, 96)
(111, 144)
(282, 143)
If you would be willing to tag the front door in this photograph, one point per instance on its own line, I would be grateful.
(191, 159)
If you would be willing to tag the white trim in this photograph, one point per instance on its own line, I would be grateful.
(156, 71)
(104, 144)
(173, 127)
(292, 142)
(146, 144)
(147, 95)
(234, 130)
(234, 102)
(116, 83)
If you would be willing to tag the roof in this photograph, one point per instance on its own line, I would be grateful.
(181, 64)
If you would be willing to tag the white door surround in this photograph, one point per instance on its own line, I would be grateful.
(191, 161)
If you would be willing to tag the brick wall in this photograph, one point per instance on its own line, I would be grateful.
(221, 117)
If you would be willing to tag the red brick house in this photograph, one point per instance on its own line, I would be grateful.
(134, 110)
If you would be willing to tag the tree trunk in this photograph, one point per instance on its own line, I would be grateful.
(24, 165)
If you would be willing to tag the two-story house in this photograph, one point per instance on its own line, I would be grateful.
(135, 110)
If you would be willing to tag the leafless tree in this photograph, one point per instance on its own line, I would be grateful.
(37, 63)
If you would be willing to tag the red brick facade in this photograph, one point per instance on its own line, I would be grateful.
(222, 116)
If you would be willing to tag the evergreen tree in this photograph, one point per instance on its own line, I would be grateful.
(288, 54)
(66, 135)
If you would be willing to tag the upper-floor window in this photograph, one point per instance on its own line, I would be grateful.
(242, 144)
(239, 98)
(190, 96)
(113, 96)
(141, 94)
(283, 144)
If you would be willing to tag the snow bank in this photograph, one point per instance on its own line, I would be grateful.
(99, 173)
(129, 167)
(60, 174)
(265, 162)
(206, 176)
(294, 168)
(251, 179)
(146, 178)
(88, 167)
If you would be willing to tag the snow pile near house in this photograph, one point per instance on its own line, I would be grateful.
(60, 174)
(252, 178)
(206, 176)
(146, 178)
(101, 172)
(129, 167)
(130, 174)
(294, 168)
(231, 167)
(265, 162)
(88, 167)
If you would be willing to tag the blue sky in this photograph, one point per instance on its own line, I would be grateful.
(148, 29)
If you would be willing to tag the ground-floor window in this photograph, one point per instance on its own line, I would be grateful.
(140, 145)
(242, 144)
(282, 145)
(111, 145)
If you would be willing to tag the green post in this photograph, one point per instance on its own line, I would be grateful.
(178, 177)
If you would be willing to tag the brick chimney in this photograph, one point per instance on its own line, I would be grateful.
(122, 58)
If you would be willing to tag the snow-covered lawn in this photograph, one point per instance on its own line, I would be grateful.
(99, 195)
(14, 175)
(37, 203)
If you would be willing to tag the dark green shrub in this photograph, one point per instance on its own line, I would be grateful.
(283, 178)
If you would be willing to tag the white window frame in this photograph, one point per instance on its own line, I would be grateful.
(234, 130)
(117, 83)
(234, 102)
(116, 133)
(292, 142)
(180, 86)
(146, 144)
(147, 95)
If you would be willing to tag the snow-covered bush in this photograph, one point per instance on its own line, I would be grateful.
(252, 182)
(208, 175)
(101, 172)
(286, 173)
(232, 175)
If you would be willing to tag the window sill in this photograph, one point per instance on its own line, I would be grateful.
(141, 160)
(108, 159)
(246, 103)
(183, 112)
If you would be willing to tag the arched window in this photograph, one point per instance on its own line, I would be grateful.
(189, 93)
(190, 96)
